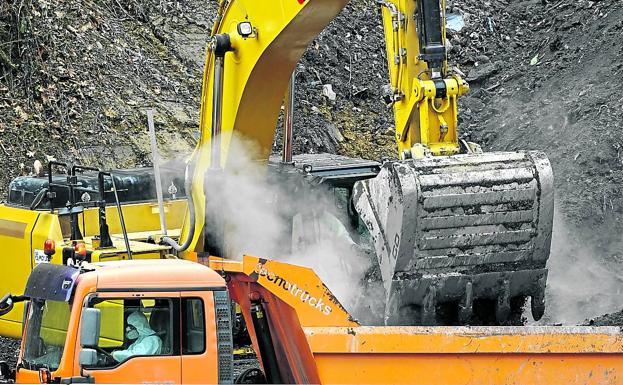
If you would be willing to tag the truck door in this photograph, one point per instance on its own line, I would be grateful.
(199, 346)
(139, 338)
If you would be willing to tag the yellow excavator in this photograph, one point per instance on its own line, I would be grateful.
(460, 236)
(452, 227)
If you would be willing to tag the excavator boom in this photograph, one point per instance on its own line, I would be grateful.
(246, 76)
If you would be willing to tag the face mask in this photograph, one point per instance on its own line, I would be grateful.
(131, 334)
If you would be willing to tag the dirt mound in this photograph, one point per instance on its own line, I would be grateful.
(614, 319)
(548, 78)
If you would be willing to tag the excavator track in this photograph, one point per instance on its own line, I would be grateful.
(464, 233)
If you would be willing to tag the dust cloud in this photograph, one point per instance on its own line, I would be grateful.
(582, 283)
(282, 219)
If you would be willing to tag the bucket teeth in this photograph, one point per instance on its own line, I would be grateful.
(503, 303)
(537, 300)
(465, 222)
(466, 307)
(429, 316)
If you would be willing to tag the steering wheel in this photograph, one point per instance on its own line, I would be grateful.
(108, 359)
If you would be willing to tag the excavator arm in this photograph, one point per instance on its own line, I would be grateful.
(423, 96)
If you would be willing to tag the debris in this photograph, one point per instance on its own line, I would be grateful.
(614, 319)
(482, 73)
(455, 21)
(483, 59)
(491, 24)
(38, 168)
(327, 91)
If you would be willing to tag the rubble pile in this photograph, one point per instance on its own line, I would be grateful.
(614, 319)
(76, 78)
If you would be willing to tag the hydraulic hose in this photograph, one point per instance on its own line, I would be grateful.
(38, 199)
(191, 209)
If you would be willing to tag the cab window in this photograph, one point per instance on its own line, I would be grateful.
(47, 323)
(135, 327)
(193, 326)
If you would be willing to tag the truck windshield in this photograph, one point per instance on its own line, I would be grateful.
(45, 334)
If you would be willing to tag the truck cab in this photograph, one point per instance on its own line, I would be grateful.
(77, 327)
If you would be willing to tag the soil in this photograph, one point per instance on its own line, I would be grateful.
(76, 78)
(614, 319)
(9, 350)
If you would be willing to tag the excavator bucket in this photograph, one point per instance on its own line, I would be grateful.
(461, 239)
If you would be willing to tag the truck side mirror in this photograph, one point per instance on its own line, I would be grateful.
(90, 328)
(6, 304)
(88, 358)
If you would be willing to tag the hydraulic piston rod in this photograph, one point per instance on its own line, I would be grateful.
(286, 155)
(213, 233)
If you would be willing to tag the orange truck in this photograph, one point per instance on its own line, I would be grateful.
(77, 320)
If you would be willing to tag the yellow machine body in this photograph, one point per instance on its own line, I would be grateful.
(23, 233)
(464, 207)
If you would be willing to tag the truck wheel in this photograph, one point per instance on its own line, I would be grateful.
(251, 376)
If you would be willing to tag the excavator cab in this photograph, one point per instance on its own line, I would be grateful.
(323, 186)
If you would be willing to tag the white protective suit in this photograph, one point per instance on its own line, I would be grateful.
(147, 343)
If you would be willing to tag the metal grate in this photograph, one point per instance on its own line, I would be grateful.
(222, 308)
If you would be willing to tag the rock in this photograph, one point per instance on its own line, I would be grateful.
(481, 73)
(327, 91)
(334, 133)
(473, 103)
(483, 59)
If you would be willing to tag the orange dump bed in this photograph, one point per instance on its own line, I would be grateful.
(468, 355)
(343, 352)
